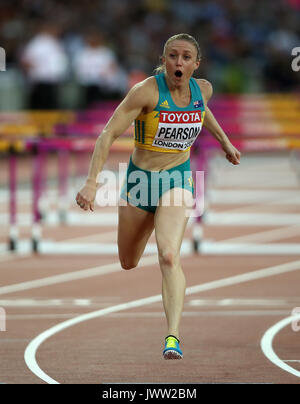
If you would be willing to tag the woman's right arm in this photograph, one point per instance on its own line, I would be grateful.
(132, 105)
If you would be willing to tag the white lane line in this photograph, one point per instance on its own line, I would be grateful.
(59, 303)
(93, 237)
(71, 276)
(233, 196)
(266, 344)
(214, 218)
(12, 256)
(209, 313)
(268, 235)
(46, 302)
(27, 245)
(39, 317)
(72, 218)
(236, 302)
(211, 247)
(31, 349)
(245, 179)
(61, 247)
(272, 204)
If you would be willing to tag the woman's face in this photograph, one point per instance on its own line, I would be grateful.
(180, 61)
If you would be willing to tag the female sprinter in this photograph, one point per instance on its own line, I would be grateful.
(169, 110)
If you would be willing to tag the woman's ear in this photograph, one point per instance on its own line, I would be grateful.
(197, 63)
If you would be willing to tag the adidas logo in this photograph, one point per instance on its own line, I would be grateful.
(164, 104)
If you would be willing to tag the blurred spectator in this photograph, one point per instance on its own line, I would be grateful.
(45, 64)
(294, 3)
(97, 71)
(246, 45)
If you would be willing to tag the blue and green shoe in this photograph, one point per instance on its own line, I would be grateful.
(172, 350)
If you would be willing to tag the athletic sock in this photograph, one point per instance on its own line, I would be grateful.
(173, 337)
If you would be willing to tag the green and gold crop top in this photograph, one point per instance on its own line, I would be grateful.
(168, 128)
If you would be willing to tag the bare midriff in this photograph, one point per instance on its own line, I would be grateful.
(156, 161)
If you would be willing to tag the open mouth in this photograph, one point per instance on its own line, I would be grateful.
(178, 73)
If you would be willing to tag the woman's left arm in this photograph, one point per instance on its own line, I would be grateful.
(210, 123)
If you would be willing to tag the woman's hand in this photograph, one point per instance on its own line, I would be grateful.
(232, 154)
(86, 196)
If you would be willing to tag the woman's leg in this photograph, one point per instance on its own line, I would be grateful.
(134, 229)
(170, 223)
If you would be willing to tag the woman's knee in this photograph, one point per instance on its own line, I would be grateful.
(128, 263)
(168, 258)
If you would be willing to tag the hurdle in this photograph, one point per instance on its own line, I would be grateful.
(15, 129)
(40, 133)
(254, 123)
(39, 149)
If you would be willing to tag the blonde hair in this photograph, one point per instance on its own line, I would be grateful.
(178, 37)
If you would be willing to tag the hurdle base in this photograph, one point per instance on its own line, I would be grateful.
(35, 246)
(12, 244)
(196, 246)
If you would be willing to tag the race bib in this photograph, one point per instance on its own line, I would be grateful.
(177, 130)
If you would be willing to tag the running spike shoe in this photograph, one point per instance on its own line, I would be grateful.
(172, 350)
